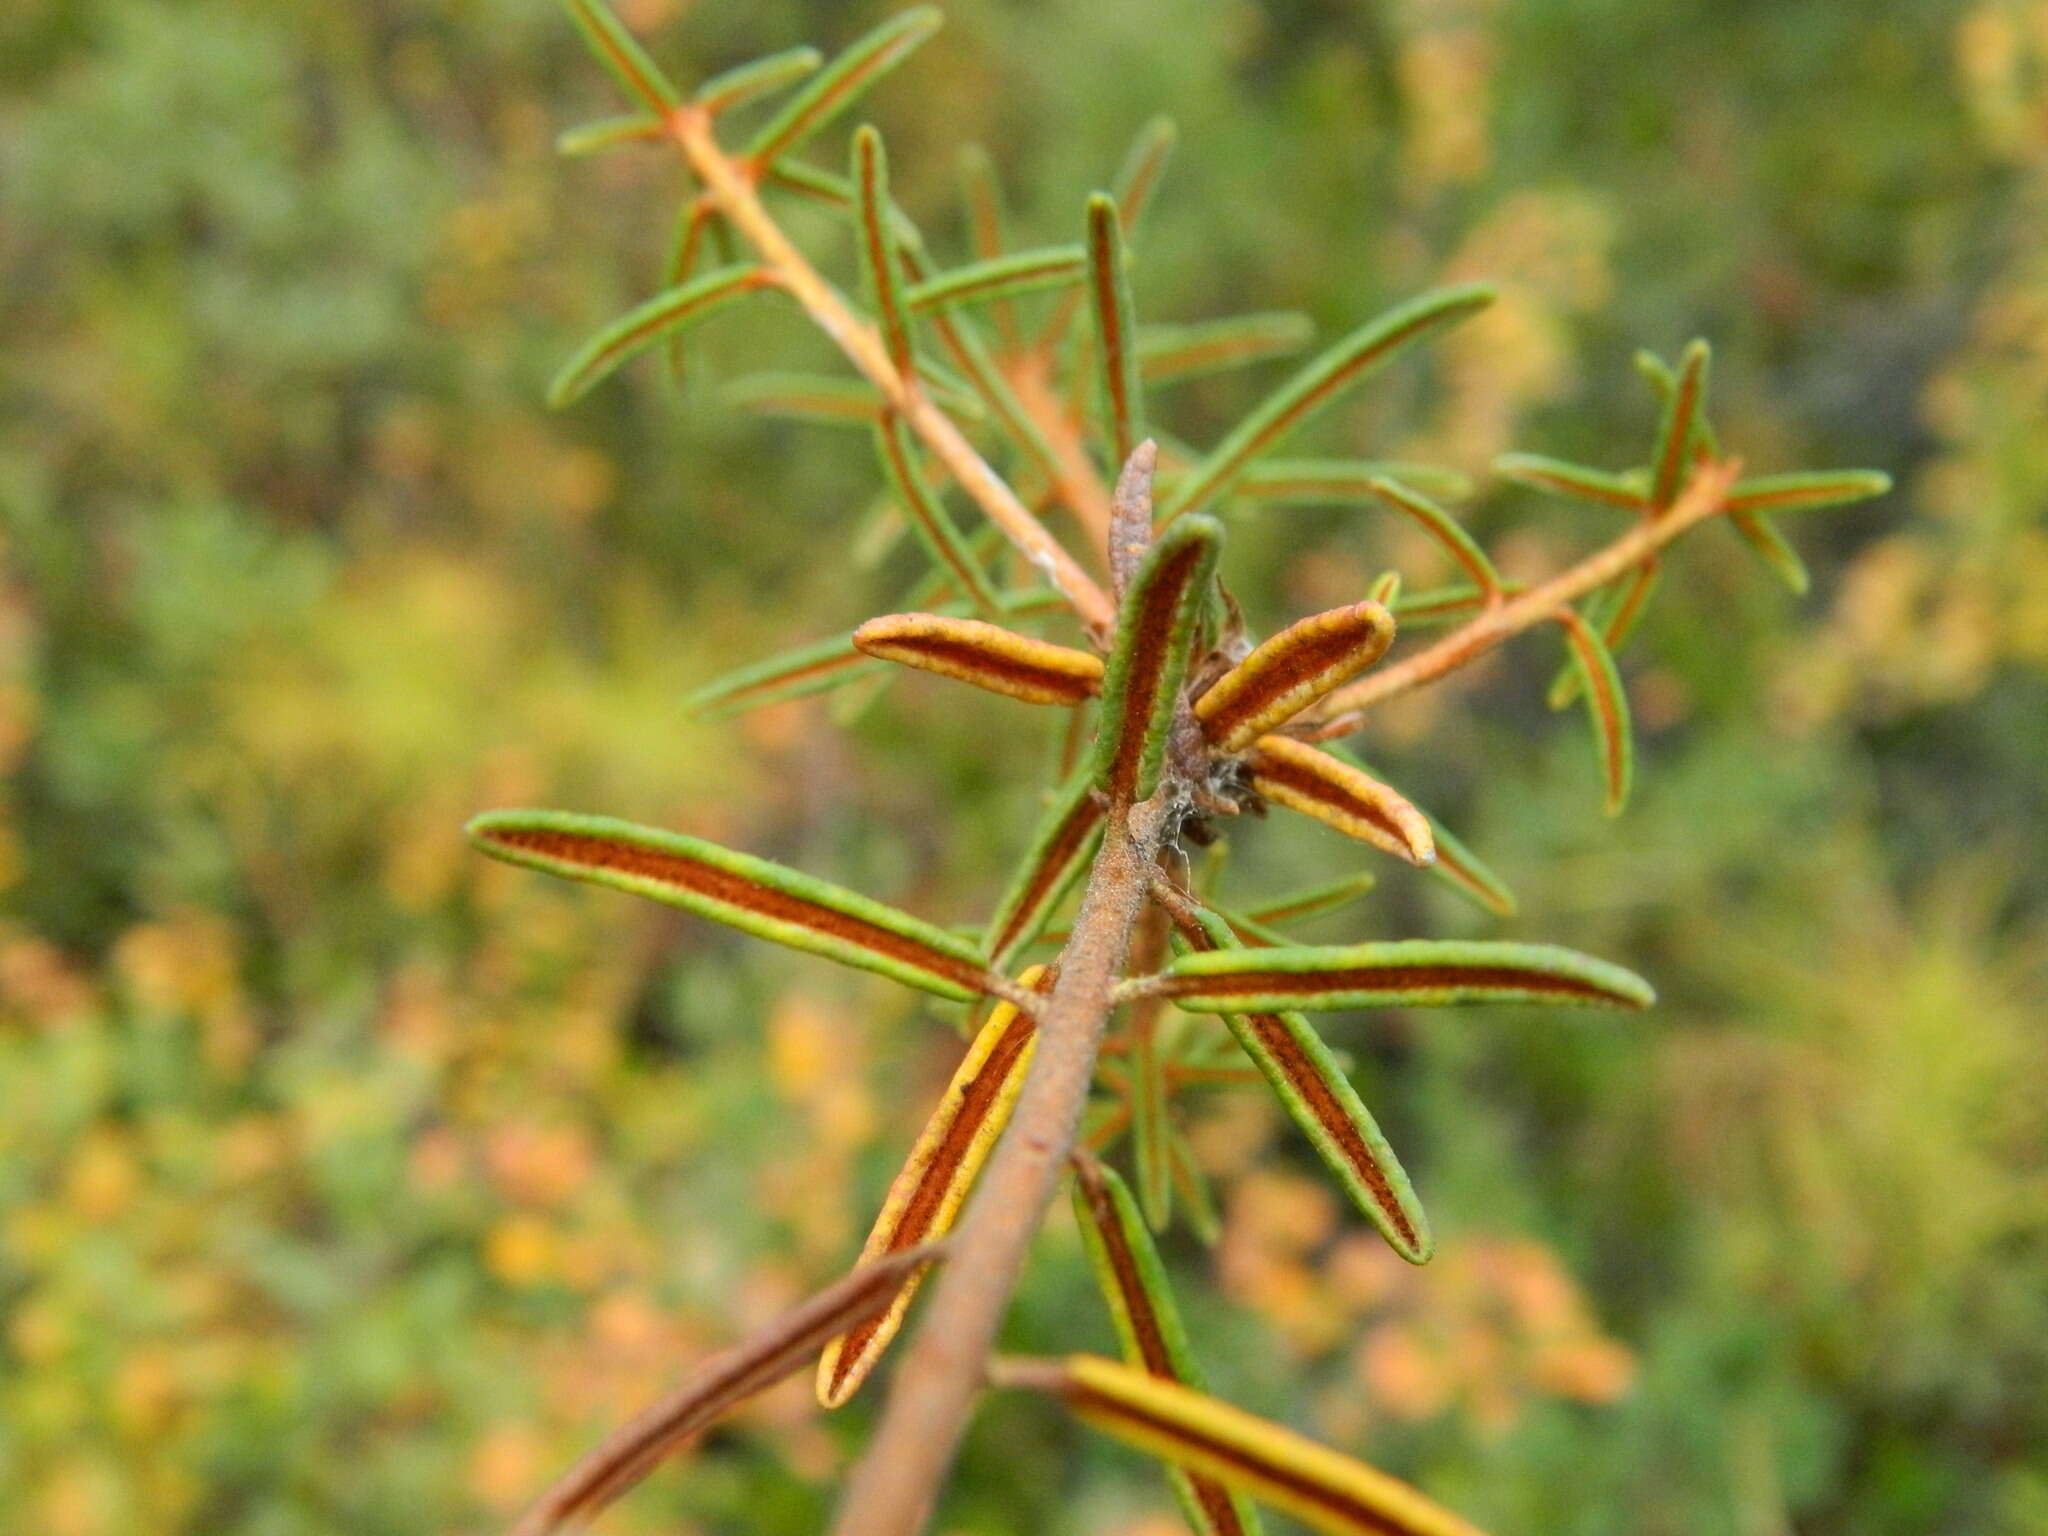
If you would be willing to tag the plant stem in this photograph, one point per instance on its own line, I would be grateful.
(1344, 710)
(731, 185)
(892, 1489)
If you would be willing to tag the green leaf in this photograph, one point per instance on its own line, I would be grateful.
(607, 133)
(744, 83)
(1443, 528)
(1137, 179)
(1808, 492)
(1148, 1324)
(1001, 277)
(1620, 609)
(752, 894)
(1060, 848)
(1596, 485)
(1151, 1130)
(1606, 707)
(981, 191)
(1192, 1185)
(1168, 354)
(877, 247)
(1109, 289)
(1761, 534)
(1315, 482)
(1320, 1100)
(794, 674)
(1155, 631)
(1315, 900)
(1405, 973)
(687, 305)
(1455, 863)
(941, 536)
(1683, 410)
(618, 52)
(1317, 385)
(834, 89)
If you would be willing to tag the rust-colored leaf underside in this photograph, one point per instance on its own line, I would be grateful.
(1296, 775)
(986, 655)
(725, 886)
(1293, 669)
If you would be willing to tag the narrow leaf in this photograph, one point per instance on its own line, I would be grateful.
(877, 248)
(1167, 354)
(768, 900)
(1470, 874)
(1761, 534)
(833, 401)
(1576, 480)
(1155, 631)
(722, 1383)
(1290, 671)
(744, 83)
(964, 345)
(1151, 1130)
(1319, 1098)
(981, 190)
(617, 50)
(824, 664)
(1443, 528)
(1405, 973)
(1060, 849)
(807, 397)
(793, 674)
(935, 1179)
(1148, 1324)
(1386, 589)
(1001, 277)
(1132, 189)
(1314, 901)
(1109, 289)
(1681, 419)
(1317, 385)
(665, 312)
(940, 535)
(1620, 611)
(607, 133)
(1192, 1185)
(986, 655)
(834, 89)
(1807, 492)
(1313, 482)
(1315, 783)
(1455, 864)
(1137, 179)
(1130, 516)
(1606, 707)
(694, 220)
(1323, 1488)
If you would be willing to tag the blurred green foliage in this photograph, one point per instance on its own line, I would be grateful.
(349, 1186)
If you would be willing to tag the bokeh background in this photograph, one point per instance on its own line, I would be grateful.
(350, 1186)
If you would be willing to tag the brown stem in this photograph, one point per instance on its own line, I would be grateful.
(891, 1491)
(730, 184)
(1344, 710)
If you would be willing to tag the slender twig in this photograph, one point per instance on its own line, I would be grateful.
(1706, 495)
(730, 184)
(891, 1491)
